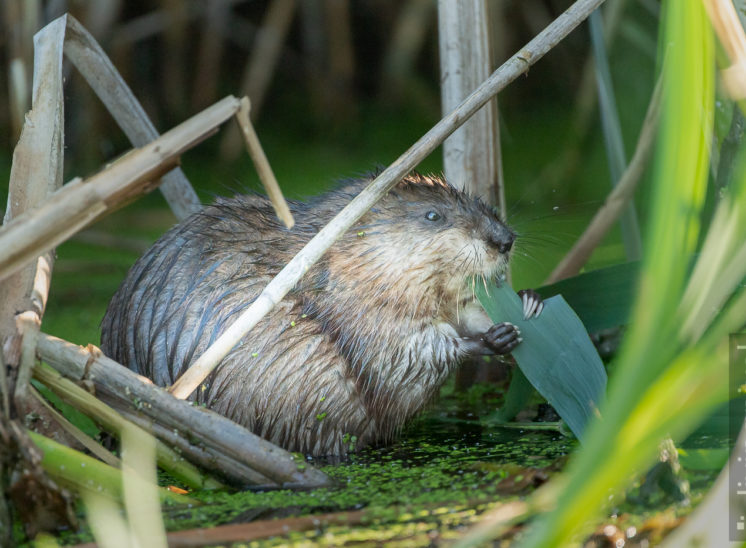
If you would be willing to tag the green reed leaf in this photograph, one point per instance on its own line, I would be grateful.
(556, 354)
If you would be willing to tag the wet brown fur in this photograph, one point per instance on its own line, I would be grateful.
(359, 346)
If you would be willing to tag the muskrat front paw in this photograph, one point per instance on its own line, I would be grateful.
(502, 338)
(533, 304)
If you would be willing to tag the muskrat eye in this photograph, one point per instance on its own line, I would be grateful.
(432, 216)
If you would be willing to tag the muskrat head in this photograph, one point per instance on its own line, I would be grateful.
(432, 234)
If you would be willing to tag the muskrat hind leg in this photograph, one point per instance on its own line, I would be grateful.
(502, 338)
(533, 304)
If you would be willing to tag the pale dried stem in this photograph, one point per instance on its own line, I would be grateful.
(263, 169)
(314, 249)
(36, 171)
(471, 155)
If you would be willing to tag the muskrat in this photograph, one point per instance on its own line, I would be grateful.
(359, 346)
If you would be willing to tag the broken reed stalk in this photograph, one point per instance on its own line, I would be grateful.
(114, 381)
(35, 172)
(263, 169)
(616, 201)
(95, 66)
(471, 155)
(80, 202)
(315, 248)
(114, 423)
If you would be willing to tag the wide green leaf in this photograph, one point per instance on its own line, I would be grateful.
(601, 298)
(556, 354)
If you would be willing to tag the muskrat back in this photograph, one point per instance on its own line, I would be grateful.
(360, 345)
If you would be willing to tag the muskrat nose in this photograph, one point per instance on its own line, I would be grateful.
(505, 245)
(502, 240)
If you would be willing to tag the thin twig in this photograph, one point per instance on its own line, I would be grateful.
(616, 201)
(263, 169)
(314, 249)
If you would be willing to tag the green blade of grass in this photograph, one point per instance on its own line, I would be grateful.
(661, 386)
(556, 355)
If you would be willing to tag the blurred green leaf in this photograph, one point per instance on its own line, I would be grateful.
(556, 355)
(666, 381)
(704, 459)
(601, 298)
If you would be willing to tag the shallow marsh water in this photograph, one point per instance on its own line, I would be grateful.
(438, 478)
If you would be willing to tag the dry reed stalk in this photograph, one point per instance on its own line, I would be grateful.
(261, 66)
(617, 200)
(315, 248)
(80, 202)
(263, 169)
(471, 155)
(96, 67)
(140, 396)
(36, 171)
(729, 30)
